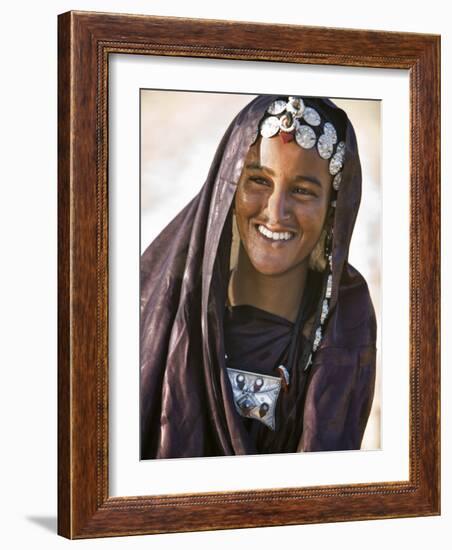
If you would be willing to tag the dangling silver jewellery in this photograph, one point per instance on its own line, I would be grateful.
(255, 395)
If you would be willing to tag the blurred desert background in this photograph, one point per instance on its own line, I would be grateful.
(180, 132)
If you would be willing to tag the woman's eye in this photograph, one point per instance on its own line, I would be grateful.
(260, 181)
(303, 191)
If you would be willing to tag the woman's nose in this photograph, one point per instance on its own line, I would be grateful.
(278, 207)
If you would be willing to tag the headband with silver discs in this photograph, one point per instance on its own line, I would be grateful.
(294, 120)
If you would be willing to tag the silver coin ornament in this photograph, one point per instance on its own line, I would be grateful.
(341, 147)
(325, 146)
(305, 136)
(270, 126)
(277, 107)
(330, 131)
(311, 116)
(335, 165)
(337, 161)
(337, 181)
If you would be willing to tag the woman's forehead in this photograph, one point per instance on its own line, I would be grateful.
(273, 153)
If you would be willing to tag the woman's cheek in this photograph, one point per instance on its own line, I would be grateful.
(312, 214)
(248, 201)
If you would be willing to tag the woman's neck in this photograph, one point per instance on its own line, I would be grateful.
(278, 294)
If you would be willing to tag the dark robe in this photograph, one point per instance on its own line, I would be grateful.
(186, 401)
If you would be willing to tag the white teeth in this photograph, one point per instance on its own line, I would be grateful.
(282, 236)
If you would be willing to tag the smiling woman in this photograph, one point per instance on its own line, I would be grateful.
(271, 349)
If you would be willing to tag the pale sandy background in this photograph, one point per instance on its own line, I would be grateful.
(180, 132)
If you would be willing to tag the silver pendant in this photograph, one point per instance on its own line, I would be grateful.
(255, 395)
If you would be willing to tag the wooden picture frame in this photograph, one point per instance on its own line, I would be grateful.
(85, 42)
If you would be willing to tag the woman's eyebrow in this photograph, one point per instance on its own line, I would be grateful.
(258, 166)
(311, 179)
(299, 177)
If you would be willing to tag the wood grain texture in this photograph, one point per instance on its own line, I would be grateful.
(64, 295)
(85, 42)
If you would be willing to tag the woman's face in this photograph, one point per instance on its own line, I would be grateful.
(281, 203)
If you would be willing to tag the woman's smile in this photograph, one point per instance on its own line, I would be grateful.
(277, 237)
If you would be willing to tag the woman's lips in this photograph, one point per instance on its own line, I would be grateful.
(274, 236)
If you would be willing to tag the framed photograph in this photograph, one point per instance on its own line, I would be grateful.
(248, 275)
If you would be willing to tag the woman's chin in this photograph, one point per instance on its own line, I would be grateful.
(270, 268)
